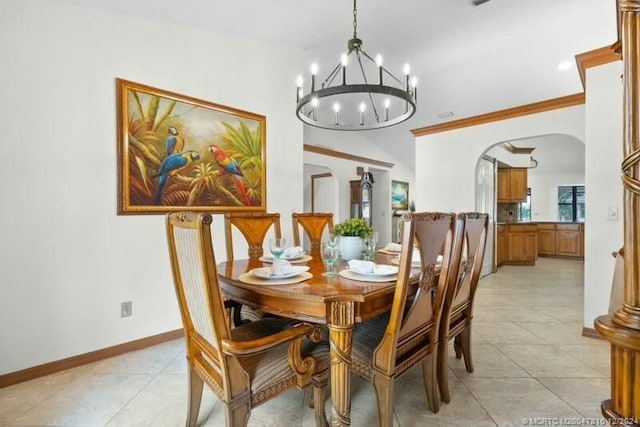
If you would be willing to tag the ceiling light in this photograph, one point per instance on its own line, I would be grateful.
(445, 114)
(565, 65)
(368, 94)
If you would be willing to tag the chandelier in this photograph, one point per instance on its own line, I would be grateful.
(363, 96)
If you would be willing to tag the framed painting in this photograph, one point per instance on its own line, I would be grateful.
(180, 153)
(399, 195)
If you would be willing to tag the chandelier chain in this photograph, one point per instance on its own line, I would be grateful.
(355, 20)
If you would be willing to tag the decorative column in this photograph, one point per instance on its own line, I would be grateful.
(341, 323)
(622, 329)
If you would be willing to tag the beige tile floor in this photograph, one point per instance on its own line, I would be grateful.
(530, 361)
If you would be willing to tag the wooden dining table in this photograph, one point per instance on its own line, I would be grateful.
(338, 302)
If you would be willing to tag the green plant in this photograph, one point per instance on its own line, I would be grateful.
(352, 227)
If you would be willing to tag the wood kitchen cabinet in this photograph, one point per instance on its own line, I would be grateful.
(561, 240)
(568, 240)
(522, 244)
(512, 185)
(501, 244)
(546, 239)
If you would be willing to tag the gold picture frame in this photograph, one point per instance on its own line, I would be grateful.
(178, 153)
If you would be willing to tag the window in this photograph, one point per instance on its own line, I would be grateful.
(571, 203)
(524, 208)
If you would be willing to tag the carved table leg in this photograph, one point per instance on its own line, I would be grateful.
(341, 323)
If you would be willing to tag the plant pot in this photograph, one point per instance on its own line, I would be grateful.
(350, 247)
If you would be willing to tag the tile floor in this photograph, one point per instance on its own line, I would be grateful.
(530, 361)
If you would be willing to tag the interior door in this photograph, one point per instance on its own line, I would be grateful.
(485, 202)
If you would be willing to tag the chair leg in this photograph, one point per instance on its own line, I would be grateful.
(430, 381)
(465, 341)
(443, 370)
(195, 397)
(384, 393)
(457, 346)
(319, 396)
(238, 416)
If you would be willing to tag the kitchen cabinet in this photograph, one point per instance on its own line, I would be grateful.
(512, 185)
(546, 239)
(568, 240)
(522, 244)
(501, 244)
(362, 198)
(561, 239)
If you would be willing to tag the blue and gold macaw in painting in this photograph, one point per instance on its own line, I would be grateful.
(175, 142)
(229, 165)
(171, 165)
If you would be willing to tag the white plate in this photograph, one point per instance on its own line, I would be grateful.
(265, 272)
(380, 270)
(396, 261)
(269, 258)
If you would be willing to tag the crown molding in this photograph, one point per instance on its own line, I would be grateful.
(340, 155)
(509, 113)
(596, 57)
(517, 150)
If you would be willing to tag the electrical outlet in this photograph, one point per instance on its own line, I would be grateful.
(125, 309)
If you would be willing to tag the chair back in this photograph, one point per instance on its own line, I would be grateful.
(465, 268)
(313, 224)
(199, 298)
(254, 227)
(413, 327)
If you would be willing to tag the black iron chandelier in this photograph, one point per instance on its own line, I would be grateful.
(363, 97)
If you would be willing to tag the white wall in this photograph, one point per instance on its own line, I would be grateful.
(454, 155)
(358, 144)
(598, 123)
(603, 158)
(66, 259)
(544, 193)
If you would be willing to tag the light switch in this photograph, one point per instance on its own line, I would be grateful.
(612, 213)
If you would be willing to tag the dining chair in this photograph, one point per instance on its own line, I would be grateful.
(385, 347)
(254, 227)
(247, 365)
(457, 313)
(313, 224)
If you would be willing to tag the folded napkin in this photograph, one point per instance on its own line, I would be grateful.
(393, 247)
(359, 266)
(281, 267)
(293, 252)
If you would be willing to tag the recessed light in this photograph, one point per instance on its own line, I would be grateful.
(445, 114)
(565, 65)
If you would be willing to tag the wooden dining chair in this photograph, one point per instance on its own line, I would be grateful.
(313, 224)
(457, 313)
(385, 347)
(254, 227)
(247, 365)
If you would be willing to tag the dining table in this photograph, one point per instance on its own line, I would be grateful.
(338, 302)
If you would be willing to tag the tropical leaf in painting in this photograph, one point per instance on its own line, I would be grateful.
(143, 172)
(243, 145)
(205, 174)
(253, 180)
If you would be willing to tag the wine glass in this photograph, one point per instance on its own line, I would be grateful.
(329, 251)
(277, 246)
(370, 241)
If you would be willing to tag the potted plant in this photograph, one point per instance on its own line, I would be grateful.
(351, 233)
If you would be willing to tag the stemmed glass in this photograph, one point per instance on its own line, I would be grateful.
(369, 243)
(277, 246)
(329, 251)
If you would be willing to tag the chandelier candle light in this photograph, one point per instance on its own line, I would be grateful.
(380, 105)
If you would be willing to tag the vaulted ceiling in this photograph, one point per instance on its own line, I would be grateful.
(469, 59)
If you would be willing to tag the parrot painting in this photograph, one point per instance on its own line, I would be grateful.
(171, 165)
(175, 142)
(229, 165)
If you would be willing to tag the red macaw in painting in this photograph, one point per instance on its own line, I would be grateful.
(229, 165)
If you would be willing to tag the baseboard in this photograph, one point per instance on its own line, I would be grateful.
(81, 359)
(591, 333)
